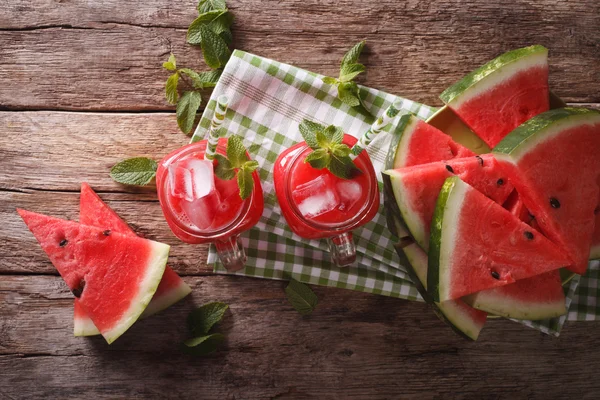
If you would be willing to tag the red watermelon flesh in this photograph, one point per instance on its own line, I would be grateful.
(539, 297)
(416, 188)
(421, 143)
(93, 211)
(501, 95)
(553, 162)
(476, 245)
(114, 275)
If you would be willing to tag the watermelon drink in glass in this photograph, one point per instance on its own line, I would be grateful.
(318, 204)
(210, 192)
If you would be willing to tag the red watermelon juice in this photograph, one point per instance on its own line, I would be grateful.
(317, 204)
(201, 208)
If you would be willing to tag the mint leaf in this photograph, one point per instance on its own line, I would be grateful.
(330, 81)
(343, 167)
(250, 165)
(301, 297)
(322, 139)
(350, 71)
(171, 88)
(308, 130)
(170, 64)
(215, 50)
(227, 37)
(338, 135)
(203, 345)
(341, 150)
(348, 94)
(202, 80)
(186, 110)
(134, 171)
(245, 183)
(194, 33)
(203, 318)
(222, 23)
(351, 57)
(318, 159)
(236, 152)
(224, 170)
(210, 5)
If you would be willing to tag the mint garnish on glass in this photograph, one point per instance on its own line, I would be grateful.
(236, 163)
(328, 150)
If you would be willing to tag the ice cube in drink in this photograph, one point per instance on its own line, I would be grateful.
(316, 197)
(350, 193)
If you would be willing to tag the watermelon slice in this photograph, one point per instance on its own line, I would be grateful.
(553, 162)
(476, 244)
(538, 297)
(416, 188)
(93, 211)
(501, 95)
(463, 319)
(416, 142)
(114, 275)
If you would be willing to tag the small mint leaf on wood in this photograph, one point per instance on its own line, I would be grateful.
(137, 171)
(351, 71)
(224, 170)
(203, 345)
(330, 81)
(301, 297)
(187, 107)
(215, 50)
(348, 94)
(210, 5)
(202, 319)
(171, 88)
(202, 80)
(351, 57)
(194, 33)
(171, 63)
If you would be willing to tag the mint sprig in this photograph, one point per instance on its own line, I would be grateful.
(138, 171)
(200, 322)
(350, 68)
(328, 150)
(211, 30)
(190, 99)
(236, 163)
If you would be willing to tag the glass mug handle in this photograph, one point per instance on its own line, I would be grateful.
(342, 249)
(231, 252)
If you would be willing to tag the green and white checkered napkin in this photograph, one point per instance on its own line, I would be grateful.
(267, 101)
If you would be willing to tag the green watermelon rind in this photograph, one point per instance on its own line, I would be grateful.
(541, 128)
(441, 240)
(146, 289)
(493, 73)
(397, 150)
(515, 310)
(409, 257)
(84, 326)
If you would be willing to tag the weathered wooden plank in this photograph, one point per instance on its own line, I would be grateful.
(271, 350)
(111, 60)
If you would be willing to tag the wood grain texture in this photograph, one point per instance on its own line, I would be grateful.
(354, 346)
(108, 56)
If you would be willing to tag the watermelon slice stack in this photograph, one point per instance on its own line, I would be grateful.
(116, 277)
(497, 248)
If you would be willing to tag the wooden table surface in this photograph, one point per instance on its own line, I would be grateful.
(81, 87)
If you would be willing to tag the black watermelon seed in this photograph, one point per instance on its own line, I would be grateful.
(500, 182)
(554, 202)
(449, 168)
(106, 232)
(495, 275)
(79, 289)
(597, 211)
(63, 243)
(528, 235)
(480, 160)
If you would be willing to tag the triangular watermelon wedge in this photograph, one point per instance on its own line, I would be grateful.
(93, 211)
(553, 161)
(114, 275)
(502, 94)
(476, 244)
(416, 142)
(416, 188)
